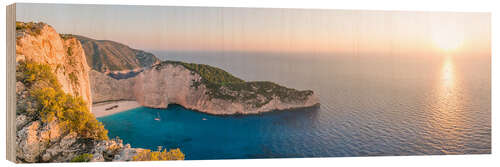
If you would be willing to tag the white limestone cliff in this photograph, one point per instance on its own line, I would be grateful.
(66, 57)
(173, 84)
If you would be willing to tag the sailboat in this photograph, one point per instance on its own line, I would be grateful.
(158, 117)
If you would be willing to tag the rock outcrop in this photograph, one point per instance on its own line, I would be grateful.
(180, 83)
(39, 42)
(174, 83)
(45, 140)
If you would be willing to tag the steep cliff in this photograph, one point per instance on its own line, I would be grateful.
(109, 56)
(53, 121)
(39, 42)
(105, 88)
(214, 91)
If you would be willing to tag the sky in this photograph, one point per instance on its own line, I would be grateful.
(163, 28)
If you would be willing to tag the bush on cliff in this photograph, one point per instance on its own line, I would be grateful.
(31, 28)
(148, 155)
(53, 103)
(83, 158)
(30, 73)
(212, 74)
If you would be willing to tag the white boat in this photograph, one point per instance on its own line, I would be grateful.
(204, 119)
(157, 118)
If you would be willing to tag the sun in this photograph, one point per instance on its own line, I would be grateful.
(447, 39)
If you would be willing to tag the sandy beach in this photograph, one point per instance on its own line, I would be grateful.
(113, 107)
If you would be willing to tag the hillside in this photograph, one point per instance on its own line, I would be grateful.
(108, 56)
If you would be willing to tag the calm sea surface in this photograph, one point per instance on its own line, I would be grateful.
(370, 105)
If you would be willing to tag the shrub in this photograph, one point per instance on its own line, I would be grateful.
(209, 73)
(148, 155)
(69, 51)
(53, 103)
(66, 36)
(74, 78)
(31, 72)
(83, 158)
(31, 28)
(71, 112)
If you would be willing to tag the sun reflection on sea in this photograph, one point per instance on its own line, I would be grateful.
(447, 114)
(447, 76)
(447, 91)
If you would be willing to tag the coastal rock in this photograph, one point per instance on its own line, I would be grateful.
(44, 142)
(39, 42)
(173, 83)
(28, 143)
(112, 150)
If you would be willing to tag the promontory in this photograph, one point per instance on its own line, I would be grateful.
(200, 87)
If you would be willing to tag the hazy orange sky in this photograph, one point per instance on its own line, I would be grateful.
(268, 30)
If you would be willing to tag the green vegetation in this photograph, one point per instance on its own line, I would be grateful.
(250, 92)
(30, 73)
(208, 73)
(66, 36)
(71, 60)
(31, 28)
(69, 51)
(222, 85)
(74, 78)
(53, 104)
(213, 74)
(148, 155)
(83, 158)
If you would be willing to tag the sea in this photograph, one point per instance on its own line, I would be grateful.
(371, 105)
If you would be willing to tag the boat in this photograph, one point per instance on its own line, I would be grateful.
(204, 119)
(158, 117)
(112, 107)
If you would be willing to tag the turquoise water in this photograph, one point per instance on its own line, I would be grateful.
(202, 136)
(370, 106)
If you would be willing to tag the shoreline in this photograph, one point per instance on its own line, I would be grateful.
(114, 107)
(99, 109)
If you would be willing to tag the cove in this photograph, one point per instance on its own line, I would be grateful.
(201, 136)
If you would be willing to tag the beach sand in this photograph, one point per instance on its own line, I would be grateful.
(99, 109)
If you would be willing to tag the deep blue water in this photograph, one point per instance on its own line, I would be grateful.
(372, 105)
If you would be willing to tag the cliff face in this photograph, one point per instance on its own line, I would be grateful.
(173, 83)
(109, 56)
(41, 139)
(47, 142)
(41, 43)
(105, 88)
